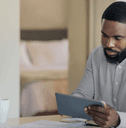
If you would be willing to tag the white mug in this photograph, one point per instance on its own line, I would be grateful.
(4, 109)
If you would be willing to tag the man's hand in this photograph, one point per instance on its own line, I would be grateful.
(104, 117)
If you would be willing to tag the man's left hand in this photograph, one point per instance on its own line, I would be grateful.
(104, 117)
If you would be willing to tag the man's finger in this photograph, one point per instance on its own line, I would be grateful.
(97, 120)
(98, 109)
(99, 123)
(104, 104)
(104, 117)
(98, 114)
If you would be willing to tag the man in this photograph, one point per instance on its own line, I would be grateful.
(105, 73)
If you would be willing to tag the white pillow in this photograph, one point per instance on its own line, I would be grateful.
(24, 57)
(49, 53)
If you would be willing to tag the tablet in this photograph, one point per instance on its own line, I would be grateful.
(74, 106)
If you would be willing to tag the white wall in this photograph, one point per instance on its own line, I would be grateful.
(9, 54)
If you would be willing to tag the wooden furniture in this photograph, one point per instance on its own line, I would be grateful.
(23, 120)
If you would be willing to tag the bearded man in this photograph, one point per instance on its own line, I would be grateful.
(105, 72)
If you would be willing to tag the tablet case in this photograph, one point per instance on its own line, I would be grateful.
(74, 106)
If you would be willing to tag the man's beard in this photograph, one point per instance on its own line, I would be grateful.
(118, 58)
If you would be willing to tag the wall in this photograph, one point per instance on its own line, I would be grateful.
(9, 54)
(96, 9)
(77, 34)
(84, 25)
(84, 34)
(121, 0)
(43, 14)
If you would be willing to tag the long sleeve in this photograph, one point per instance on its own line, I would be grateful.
(122, 116)
(104, 81)
(85, 88)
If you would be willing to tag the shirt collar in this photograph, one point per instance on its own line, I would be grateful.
(123, 63)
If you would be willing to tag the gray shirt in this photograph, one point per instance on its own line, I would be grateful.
(105, 82)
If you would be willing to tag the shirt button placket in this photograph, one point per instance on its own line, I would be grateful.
(114, 100)
(116, 86)
(116, 83)
(119, 67)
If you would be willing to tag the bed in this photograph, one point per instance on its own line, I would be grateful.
(44, 59)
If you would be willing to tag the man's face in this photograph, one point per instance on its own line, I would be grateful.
(114, 40)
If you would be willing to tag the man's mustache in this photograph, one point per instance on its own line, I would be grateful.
(109, 49)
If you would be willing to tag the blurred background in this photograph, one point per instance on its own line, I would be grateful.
(57, 36)
(44, 48)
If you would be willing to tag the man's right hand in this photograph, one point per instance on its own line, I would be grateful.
(104, 117)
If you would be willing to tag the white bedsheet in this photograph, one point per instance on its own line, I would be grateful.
(41, 75)
(40, 96)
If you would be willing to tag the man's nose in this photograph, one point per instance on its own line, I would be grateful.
(110, 43)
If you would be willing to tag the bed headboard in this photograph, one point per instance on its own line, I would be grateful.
(53, 34)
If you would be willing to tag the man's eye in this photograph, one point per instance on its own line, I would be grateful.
(104, 35)
(118, 38)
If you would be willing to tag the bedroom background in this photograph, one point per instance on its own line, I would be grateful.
(54, 32)
(44, 55)
(83, 26)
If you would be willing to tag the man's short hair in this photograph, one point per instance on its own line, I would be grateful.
(116, 12)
